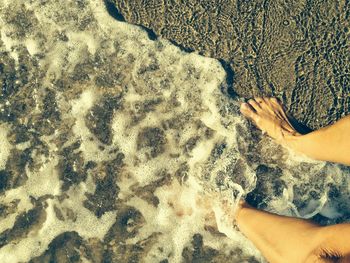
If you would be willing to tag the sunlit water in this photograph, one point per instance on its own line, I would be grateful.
(117, 148)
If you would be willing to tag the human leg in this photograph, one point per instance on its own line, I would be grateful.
(285, 239)
(280, 239)
(330, 143)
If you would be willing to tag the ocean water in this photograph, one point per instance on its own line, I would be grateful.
(116, 147)
(297, 51)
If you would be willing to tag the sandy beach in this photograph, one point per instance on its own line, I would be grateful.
(296, 51)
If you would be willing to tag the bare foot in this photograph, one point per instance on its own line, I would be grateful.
(269, 116)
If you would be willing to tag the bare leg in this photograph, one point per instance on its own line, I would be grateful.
(328, 144)
(285, 239)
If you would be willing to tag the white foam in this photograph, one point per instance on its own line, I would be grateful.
(32, 46)
(80, 108)
(6, 147)
(194, 81)
(178, 216)
(37, 242)
(24, 204)
(83, 39)
(8, 42)
(45, 180)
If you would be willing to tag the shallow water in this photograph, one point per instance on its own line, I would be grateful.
(297, 51)
(119, 148)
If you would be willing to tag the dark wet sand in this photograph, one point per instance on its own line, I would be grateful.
(297, 51)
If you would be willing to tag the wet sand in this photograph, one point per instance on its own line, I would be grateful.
(297, 51)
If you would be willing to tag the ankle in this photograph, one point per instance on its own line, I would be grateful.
(290, 139)
(242, 207)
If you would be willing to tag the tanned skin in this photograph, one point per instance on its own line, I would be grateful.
(284, 239)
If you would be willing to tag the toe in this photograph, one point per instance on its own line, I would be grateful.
(266, 101)
(275, 101)
(259, 100)
(267, 105)
(254, 104)
(281, 112)
(247, 110)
